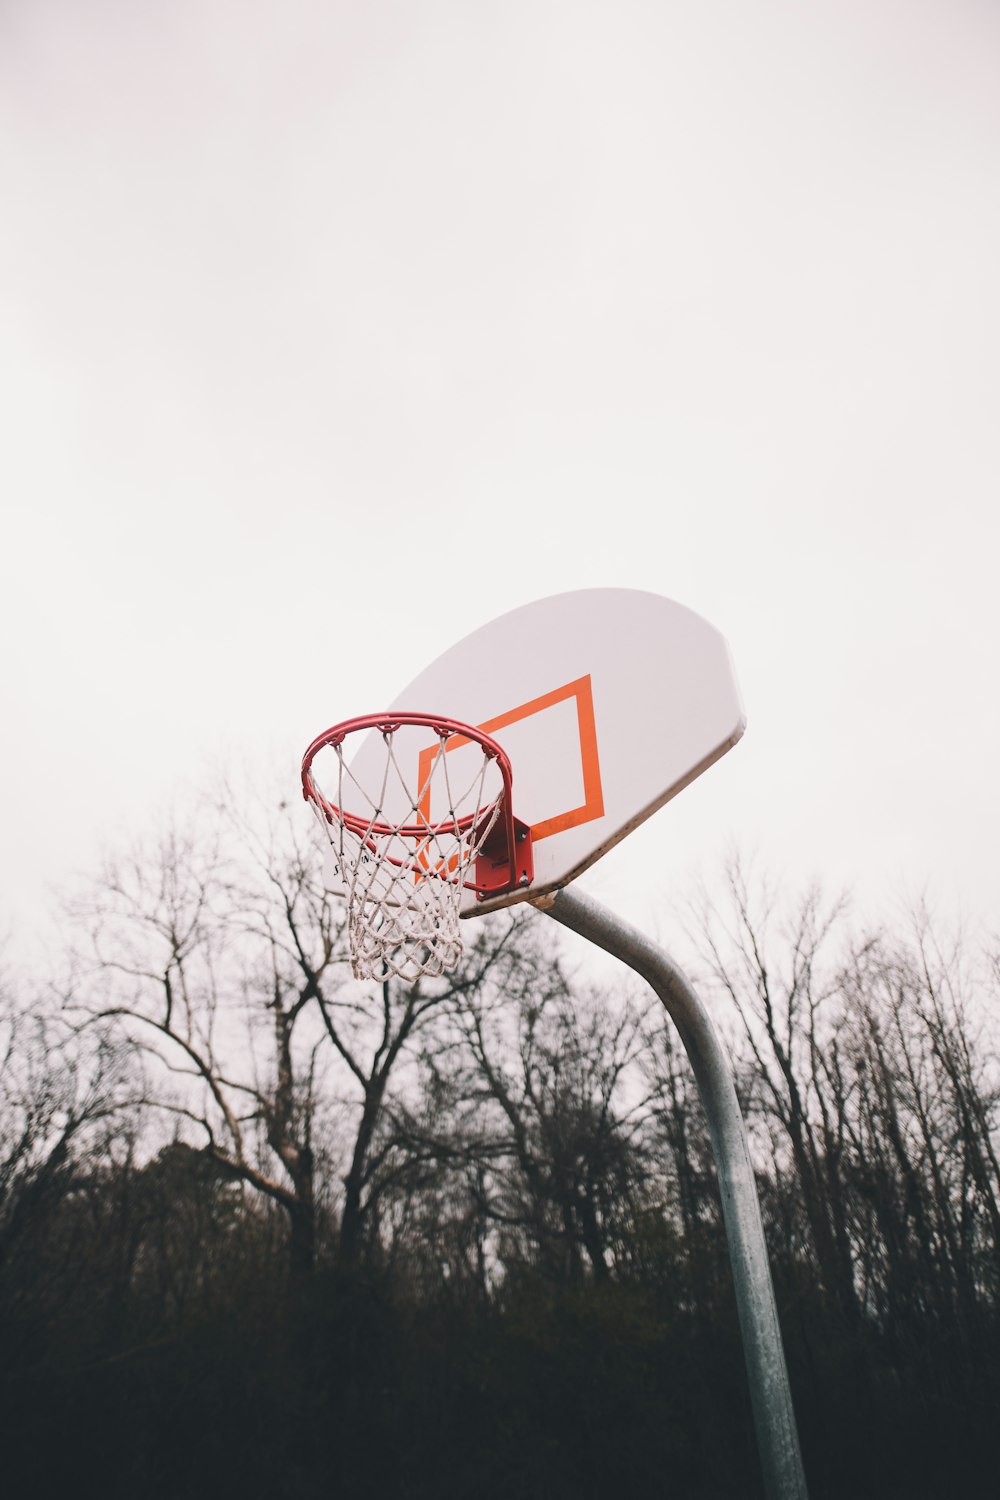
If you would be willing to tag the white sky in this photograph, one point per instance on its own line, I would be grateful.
(329, 331)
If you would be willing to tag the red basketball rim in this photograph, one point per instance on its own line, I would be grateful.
(387, 724)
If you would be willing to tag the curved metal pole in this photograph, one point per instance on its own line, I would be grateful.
(774, 1418)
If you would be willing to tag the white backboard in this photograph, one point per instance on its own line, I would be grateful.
(608, 702)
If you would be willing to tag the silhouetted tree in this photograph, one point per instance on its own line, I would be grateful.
(524, 1105)
(62, 1096)
(223, 957)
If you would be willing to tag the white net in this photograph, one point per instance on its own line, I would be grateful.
(401, 866)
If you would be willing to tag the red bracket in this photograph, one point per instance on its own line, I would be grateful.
(493, 863)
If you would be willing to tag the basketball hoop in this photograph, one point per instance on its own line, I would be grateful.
(426, 828)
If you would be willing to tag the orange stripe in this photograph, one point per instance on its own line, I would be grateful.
(593, 793)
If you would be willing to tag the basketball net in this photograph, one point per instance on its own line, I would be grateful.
(401, 873)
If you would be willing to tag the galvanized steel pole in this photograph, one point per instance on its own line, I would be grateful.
(774, 1418)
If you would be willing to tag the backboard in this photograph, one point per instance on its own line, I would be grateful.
(608, 702)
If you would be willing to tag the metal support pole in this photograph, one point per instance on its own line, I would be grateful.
(774, 1419)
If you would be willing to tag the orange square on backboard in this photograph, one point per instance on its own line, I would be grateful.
(592, 805)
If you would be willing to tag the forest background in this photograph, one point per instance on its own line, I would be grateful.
(266, 1228)
(304, 303)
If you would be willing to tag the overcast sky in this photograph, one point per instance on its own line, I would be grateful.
(329, 331)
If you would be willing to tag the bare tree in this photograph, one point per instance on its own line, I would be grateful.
(60, 1095)
(525, 1102)
(782, 973)
(221, 954)
(874, 1100)
(174, 961)
(922, 1137)
(681, 1235)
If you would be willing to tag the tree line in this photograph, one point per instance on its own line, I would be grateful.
(262, 1224)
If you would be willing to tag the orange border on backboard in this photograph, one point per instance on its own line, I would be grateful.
(593, 793)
